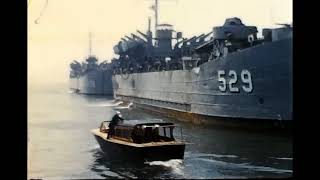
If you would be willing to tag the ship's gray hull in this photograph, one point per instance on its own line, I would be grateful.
(74, 83)
(93, 83)
(197, 91)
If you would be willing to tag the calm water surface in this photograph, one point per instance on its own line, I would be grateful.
(60, 145)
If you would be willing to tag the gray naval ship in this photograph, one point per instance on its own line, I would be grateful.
(90, 77)
(228, 74)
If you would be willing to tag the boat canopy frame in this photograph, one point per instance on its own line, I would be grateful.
(143, 131)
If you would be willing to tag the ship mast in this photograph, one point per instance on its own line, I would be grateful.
(156, 13)
(149, 24)
(155, 8)
(90, 43)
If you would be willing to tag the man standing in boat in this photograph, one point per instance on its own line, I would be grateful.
(116, 119)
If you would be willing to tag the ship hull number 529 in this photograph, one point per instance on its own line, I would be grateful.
(233, 79)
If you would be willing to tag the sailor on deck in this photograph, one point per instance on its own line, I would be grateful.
(116, 119)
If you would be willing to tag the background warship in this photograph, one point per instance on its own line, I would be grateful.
(226, 73)
(90, 77)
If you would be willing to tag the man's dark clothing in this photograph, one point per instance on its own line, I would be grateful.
(116, 119)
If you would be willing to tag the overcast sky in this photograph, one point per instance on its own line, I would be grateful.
(61, 34)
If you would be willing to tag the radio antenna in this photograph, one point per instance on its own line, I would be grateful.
(41, 14)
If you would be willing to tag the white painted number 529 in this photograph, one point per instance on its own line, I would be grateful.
(221, 79)
(245, 78)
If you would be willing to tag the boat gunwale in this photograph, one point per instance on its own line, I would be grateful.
(104, 136)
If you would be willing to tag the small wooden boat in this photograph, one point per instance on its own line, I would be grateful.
(140, 140)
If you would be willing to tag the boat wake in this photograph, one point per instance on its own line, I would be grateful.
(94, 148)
(284, 158)
(123, 107)
(174, 164)
(71, 91)
(105, 104)
(245, 166)
(202, 155)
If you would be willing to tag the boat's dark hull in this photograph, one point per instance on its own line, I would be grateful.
(115, 151)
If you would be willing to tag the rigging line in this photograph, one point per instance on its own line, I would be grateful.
(29, 3)
(41, 14)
